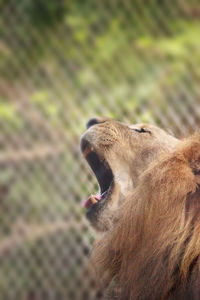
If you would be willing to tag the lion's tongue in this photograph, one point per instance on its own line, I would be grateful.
(91, 200)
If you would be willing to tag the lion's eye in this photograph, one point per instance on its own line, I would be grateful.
(141, 130)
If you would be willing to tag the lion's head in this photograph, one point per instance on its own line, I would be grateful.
(118, 154)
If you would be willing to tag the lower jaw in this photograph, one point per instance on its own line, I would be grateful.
(96, 217)
(95, 213)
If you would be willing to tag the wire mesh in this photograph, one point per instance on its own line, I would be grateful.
(62, 63)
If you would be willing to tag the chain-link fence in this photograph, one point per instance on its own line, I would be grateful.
(62, 62)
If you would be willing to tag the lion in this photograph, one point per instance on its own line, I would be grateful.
(153, 251)
(118, 154)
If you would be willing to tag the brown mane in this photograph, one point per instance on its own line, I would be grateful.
(152, 253)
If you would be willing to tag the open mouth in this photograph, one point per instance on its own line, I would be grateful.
(102, 171)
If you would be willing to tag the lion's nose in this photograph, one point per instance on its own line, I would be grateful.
(94, 121)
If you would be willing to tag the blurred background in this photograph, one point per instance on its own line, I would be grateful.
(61, 63)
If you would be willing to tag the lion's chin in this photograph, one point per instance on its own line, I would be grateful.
(100, 167)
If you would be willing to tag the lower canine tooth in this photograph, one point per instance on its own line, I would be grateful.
(93, 200)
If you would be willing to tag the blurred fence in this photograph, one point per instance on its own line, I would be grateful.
(62, 62)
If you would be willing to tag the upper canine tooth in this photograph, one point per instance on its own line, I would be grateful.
(93, 200)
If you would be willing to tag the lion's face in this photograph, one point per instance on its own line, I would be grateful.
(118, 154)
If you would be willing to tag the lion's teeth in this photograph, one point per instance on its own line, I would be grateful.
(93, 200)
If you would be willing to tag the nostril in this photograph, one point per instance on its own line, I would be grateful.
(92, 122)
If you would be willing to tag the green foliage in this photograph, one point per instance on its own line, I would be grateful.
(85, 26)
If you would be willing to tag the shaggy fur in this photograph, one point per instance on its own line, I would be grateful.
(152, 253)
